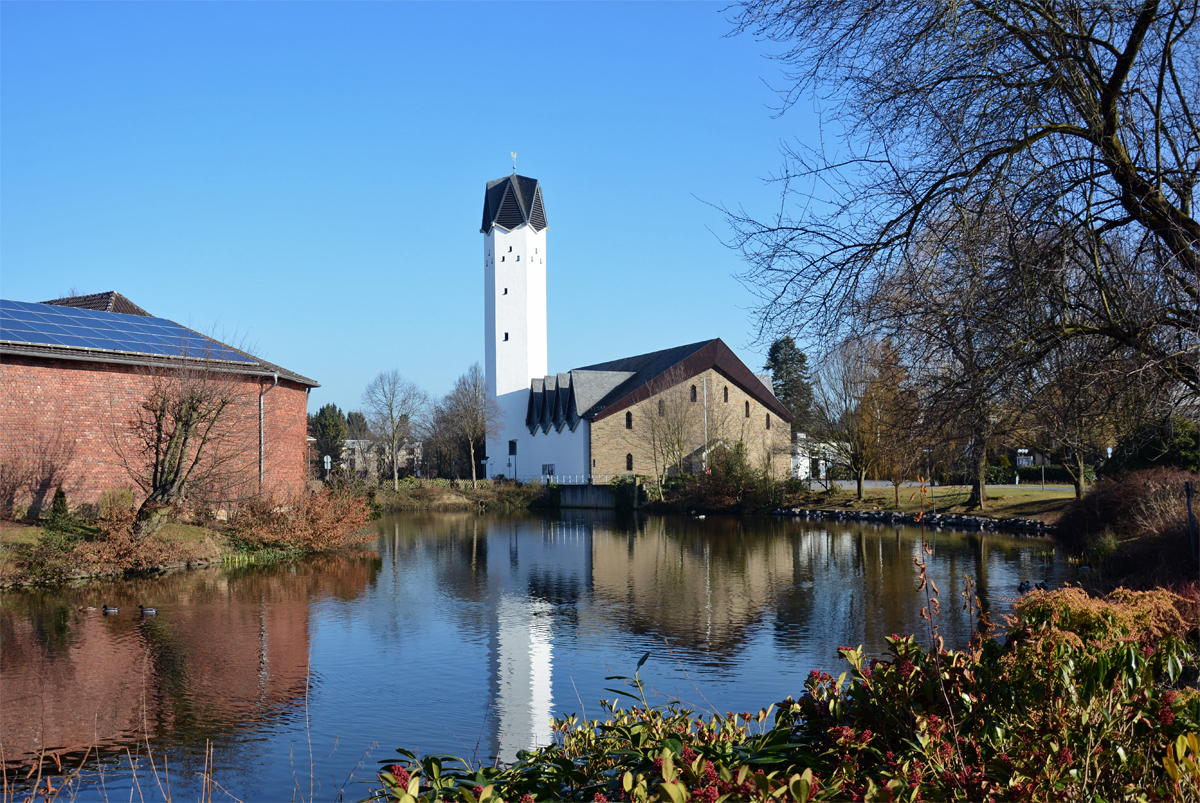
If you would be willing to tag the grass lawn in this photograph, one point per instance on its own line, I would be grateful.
(1029, 502)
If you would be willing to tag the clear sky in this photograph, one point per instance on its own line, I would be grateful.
(307, 178)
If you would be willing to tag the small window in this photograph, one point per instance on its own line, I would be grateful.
(593, 462)
(505, 291)
(518, 257)
(726, 387)
(506, 337)
(501, 259)
(629, 462)
(512, 447)
(662, 408)
(629, 421)
(768, 420)
(693, 392)
(510, 249)
(548, 469)
(747, 409)
(535, 250)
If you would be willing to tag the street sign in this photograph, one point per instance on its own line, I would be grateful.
(328, 462)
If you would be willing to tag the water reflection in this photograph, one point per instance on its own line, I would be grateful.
(228, 650)
(468, 634)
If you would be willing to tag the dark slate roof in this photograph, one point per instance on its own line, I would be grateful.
(111, 301)
(513, 201)
(597, 391)
(69, 332)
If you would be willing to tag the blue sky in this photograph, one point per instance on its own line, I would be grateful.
(307, 178)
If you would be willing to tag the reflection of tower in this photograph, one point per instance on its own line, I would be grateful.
(514, 306)
(549, 566)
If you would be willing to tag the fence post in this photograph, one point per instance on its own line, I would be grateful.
(1187, 491)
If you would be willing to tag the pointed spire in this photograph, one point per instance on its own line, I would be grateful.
(513, 201)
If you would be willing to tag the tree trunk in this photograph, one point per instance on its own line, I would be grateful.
(978, 498)
(860, 475)
(471, 445)
(1079, 479)
(395, 467)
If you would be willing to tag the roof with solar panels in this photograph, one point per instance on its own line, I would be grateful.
(109, 328)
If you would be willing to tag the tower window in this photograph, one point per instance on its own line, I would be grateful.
(506, 337)
(768, 420)
(535, 250)
(726, 387)
(501, 259)
(510, 249)
(747, 409)
(693, 392)
(506, 293)
(518, 257)
(629, 462)
(629, 421)
(512, 447)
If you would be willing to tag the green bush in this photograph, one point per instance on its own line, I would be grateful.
(1082, 703)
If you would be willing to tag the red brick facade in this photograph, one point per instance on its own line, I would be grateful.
(74, 416)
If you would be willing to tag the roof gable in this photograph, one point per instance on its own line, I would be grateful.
(112, 301)
(598, 391)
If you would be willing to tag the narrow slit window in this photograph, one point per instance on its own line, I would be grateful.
(506, 337)
(662, 408)
(510, 249)
(518, 257)
(768, 420)
(629, 421)
(505, 291)
(727, 394)
(629, 462)
(693, 392)
(502, 259)
(747, 409)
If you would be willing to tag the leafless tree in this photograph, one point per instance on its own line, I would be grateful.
(191, 432)
(671, 426)
(394, 404)
(471, 412)
(844, 418)
(1079, 117)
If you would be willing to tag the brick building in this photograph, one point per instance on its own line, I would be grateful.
(74, 374)
(610, 418)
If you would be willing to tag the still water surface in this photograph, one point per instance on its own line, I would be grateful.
(461, 634)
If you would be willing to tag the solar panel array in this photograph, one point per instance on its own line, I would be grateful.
(71, 327)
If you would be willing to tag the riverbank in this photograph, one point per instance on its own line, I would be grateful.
(68, 548)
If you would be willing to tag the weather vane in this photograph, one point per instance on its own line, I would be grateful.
(514, 156)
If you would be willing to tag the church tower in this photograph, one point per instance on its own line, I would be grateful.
(514, 261)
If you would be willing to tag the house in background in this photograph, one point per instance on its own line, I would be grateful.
(75, 371)
(602, 420)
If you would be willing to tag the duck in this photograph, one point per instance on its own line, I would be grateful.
(87, 607)
(111, 609)
(1024, 587)
(147, 611)
(1041, 586)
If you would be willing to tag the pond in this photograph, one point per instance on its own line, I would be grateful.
(458, 633)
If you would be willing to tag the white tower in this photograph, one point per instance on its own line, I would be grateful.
(514, 260)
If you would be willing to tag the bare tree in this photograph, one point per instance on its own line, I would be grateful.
(394, 404)
(471, 412)
(191, 432)
(844, 421)
(1078, 116)
(671, 426)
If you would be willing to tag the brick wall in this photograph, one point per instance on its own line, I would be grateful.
(73, 418)
(727, 422)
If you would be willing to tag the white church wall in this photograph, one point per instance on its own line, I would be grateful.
(569, 452)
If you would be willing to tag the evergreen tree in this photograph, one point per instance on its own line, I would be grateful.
(356, 426)
(329, 428)
(790, 381)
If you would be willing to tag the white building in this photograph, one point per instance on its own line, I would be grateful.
(589, 424)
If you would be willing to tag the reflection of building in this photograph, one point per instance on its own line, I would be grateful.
(547, 566)
(228, 651)
(598, 420)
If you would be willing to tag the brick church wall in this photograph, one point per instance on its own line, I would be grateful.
(612, 441)
(74, 416)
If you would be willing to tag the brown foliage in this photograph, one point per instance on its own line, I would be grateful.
(117, 548)
(317, 522)
(1137, 524)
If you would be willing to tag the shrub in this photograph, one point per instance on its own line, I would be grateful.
(319, 522)
(1081, 702)
(1139, 504)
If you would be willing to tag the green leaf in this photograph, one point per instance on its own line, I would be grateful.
(643, 660)
(673, 791)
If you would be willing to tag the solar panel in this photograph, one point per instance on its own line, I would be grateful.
(73, 327)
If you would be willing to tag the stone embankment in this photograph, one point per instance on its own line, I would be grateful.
(943, 521)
